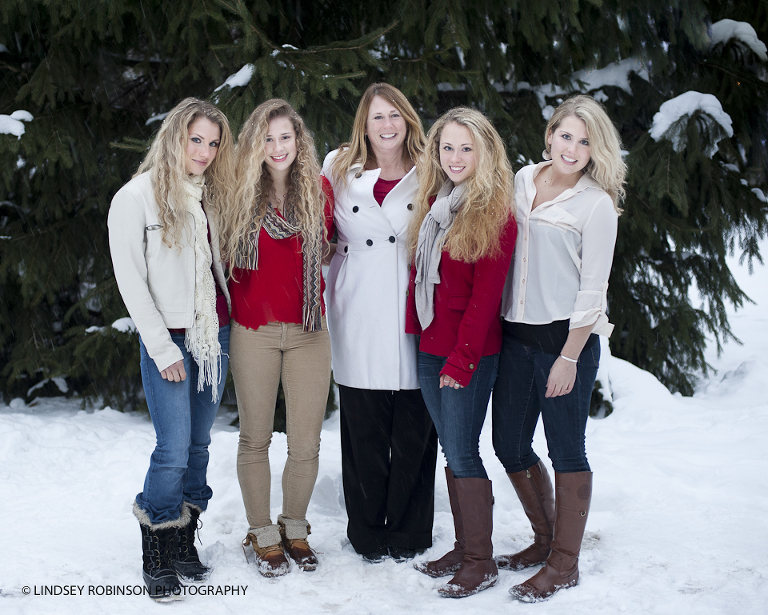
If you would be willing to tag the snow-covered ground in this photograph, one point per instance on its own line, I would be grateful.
(679, 521)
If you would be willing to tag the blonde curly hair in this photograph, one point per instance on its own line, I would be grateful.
(358, 149)
(166, 163)
(489, 196)
(253, 185)
(605, 164)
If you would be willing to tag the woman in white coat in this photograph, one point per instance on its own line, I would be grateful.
(165, 252)
(389, 445)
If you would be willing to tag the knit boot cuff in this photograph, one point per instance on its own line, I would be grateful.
(266, 536)
(293, 529)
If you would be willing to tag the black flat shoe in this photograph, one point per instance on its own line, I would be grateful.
(376, 557)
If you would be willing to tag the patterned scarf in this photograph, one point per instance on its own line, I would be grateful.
(202, 338)
(429, 248)
(278, 227)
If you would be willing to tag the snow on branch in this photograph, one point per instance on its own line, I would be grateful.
(667, 123)
(124, 324)
(615, 74)
(13, 124)
(239, 79)
(726, 29)
(157, 117)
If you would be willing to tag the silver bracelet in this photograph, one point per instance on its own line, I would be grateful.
(562, 356)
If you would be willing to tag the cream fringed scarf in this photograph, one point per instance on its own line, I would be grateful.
(202, 338)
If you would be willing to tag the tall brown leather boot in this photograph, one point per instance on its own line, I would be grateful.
(451, 561)
(574, 492)
(478, 570)
(534, 489)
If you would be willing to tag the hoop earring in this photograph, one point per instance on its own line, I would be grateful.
(546, 155)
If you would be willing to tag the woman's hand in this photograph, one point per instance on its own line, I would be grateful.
(447, 381)
(561, 379)
(175, 372)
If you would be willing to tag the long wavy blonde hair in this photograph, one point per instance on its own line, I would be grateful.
(253, 185)
(605, 165)
(489, 196)
(166, 163)
(358, 149)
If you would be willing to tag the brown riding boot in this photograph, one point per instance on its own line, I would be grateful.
(478, 570)
(574, 492)
(451, 561)
(534, 489)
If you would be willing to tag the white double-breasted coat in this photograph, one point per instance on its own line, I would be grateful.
(365, 292)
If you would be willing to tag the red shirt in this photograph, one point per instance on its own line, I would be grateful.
(467, 321)
(275, 291)
(382, 188)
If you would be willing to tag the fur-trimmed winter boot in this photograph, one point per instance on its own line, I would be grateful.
(573, 496)
(478, 570)
(186, 560)
(294, 534)
(534, 489)
(158, 544)
(268, 547)
(451, 561)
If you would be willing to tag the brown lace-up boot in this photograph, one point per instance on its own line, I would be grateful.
(268, 547)
(294, 534)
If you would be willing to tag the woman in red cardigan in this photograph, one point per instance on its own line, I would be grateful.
(276, 234)
(462, 239)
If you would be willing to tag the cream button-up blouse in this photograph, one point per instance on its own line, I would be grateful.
(563, 255)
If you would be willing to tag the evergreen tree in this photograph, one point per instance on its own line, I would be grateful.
(91, 74)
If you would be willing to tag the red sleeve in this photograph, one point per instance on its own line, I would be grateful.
(329, 205)
(412, 324)
(483, 308)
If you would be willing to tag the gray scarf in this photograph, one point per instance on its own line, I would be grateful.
(432, 233)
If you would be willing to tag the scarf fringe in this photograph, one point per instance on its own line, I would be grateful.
(202, 338)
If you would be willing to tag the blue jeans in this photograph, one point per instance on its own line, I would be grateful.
(518, 399)
(458, 414)
(182, 418)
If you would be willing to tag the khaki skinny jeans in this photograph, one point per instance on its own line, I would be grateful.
(259, 359)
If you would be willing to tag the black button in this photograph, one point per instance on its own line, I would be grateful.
(410, 206)
(346, 249)
(369, 242)
(359, 174)
(355, 209)
(392, 239)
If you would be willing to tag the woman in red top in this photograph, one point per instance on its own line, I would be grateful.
(276, 234)
(462, 239)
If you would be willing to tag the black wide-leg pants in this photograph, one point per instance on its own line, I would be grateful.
(388, 455)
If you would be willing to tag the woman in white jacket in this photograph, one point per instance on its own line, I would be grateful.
(165, 254)
(389, 445)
